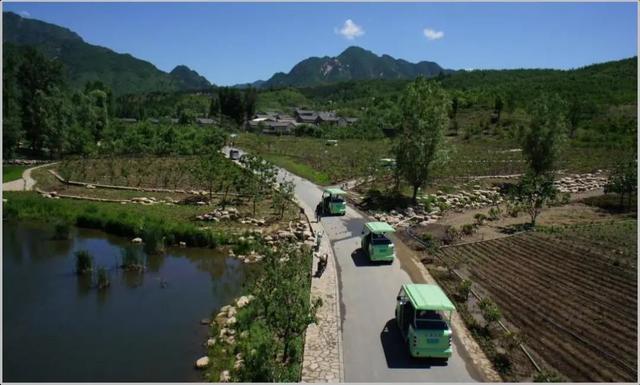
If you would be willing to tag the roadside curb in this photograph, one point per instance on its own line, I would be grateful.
(322, 360)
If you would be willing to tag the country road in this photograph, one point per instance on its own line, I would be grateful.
(373, 350)
(25, 183)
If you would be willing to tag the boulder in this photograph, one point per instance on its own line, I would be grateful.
(202, 362)
(231, 321)
(136, 240)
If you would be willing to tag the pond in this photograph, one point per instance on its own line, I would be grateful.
(145, 327)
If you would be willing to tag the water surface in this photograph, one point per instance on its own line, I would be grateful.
(145, 327)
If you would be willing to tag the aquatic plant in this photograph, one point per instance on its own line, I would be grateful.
(84, 262)
(103, 280)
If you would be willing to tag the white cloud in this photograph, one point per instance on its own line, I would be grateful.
(350, 30)
(24, 14)
(432, 34)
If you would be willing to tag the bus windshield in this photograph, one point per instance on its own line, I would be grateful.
(431, 320)
(379, 239)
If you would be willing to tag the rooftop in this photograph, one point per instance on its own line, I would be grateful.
(428, 297)
(380, 227)
(335, 191)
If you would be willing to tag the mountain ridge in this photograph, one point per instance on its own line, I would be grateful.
(122, 72)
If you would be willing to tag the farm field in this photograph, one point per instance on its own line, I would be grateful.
(572, 291)
(351, 158)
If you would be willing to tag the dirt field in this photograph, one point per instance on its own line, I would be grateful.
(573, 292)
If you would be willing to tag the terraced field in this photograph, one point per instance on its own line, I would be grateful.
(573, 292)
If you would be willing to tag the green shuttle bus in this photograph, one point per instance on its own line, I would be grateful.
(423, 314)
(333, 202)
(375, 243)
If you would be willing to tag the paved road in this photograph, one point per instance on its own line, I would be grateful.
(373, 350)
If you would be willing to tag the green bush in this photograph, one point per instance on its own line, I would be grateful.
(480, 218)
(153, 238)
(494, 213)
(430, 243)
(84, 262)
(468, 229)
(490, 311)
(452, 234)
(132, 259)
(464, 289)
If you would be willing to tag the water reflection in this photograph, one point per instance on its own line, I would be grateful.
(146, 325)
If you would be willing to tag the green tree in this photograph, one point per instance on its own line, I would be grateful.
(423, 122)
(532, 192)
(543, 138)
(11, 119)
(283, 197)
(624, 179)
(36, 74)
(260, 177)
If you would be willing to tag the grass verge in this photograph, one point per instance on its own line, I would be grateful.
(12, 172)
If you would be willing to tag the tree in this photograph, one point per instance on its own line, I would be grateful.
(209, 169)
(542, 140)
(541, 144)
(260, 177)
(497, 107)
(423, 122)
(231, 104)
(250, 98)
(533, 192)
(36, 74)
(283, 197)
(624, 179)
(11, 119)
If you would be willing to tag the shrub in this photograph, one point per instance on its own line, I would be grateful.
(514, 210)
(103, 278)
(132, 259)
(61, 230)
(464, 289)
(490, 311)
(480, 218)
(430, 243)
(502, 362)
(494, 213)
(84, 262)
(468, 229)
(153, 239)
(452, 234)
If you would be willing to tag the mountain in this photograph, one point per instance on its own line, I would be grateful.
(354, 63)
(84, 62)
(186, 78)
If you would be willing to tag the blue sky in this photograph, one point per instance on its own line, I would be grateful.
(234, 43)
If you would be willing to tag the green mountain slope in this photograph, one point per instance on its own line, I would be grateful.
(85, 62)
(354, 63)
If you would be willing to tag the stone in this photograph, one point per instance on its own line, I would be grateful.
(225, 376)
(90, 186)
(202, 362)
(243, 301)
(205, 321)
(136, 240)
(201, 203)
(230, 321)
(211, 342)
(183, 244)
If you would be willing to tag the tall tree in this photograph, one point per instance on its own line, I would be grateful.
(11, 120)
(423, 121)
(541, 143)
(36, 74)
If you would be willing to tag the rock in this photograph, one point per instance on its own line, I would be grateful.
(244, 334)
(201, 203)
(238, 364)
(231, 312)
(205, 321)
(211, 342)
(90, 186)
(202, 362)
(231, 321)
(183, 244)
(225, 376)
(243, 301)
(136, 240)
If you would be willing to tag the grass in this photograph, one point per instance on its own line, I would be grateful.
(174, 222)
(12, 172)
(301, 169)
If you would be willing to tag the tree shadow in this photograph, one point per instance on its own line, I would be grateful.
(396, 351)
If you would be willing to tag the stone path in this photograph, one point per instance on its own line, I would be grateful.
(323, 340)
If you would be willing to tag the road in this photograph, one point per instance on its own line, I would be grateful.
(373, 350)
(25, 183)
